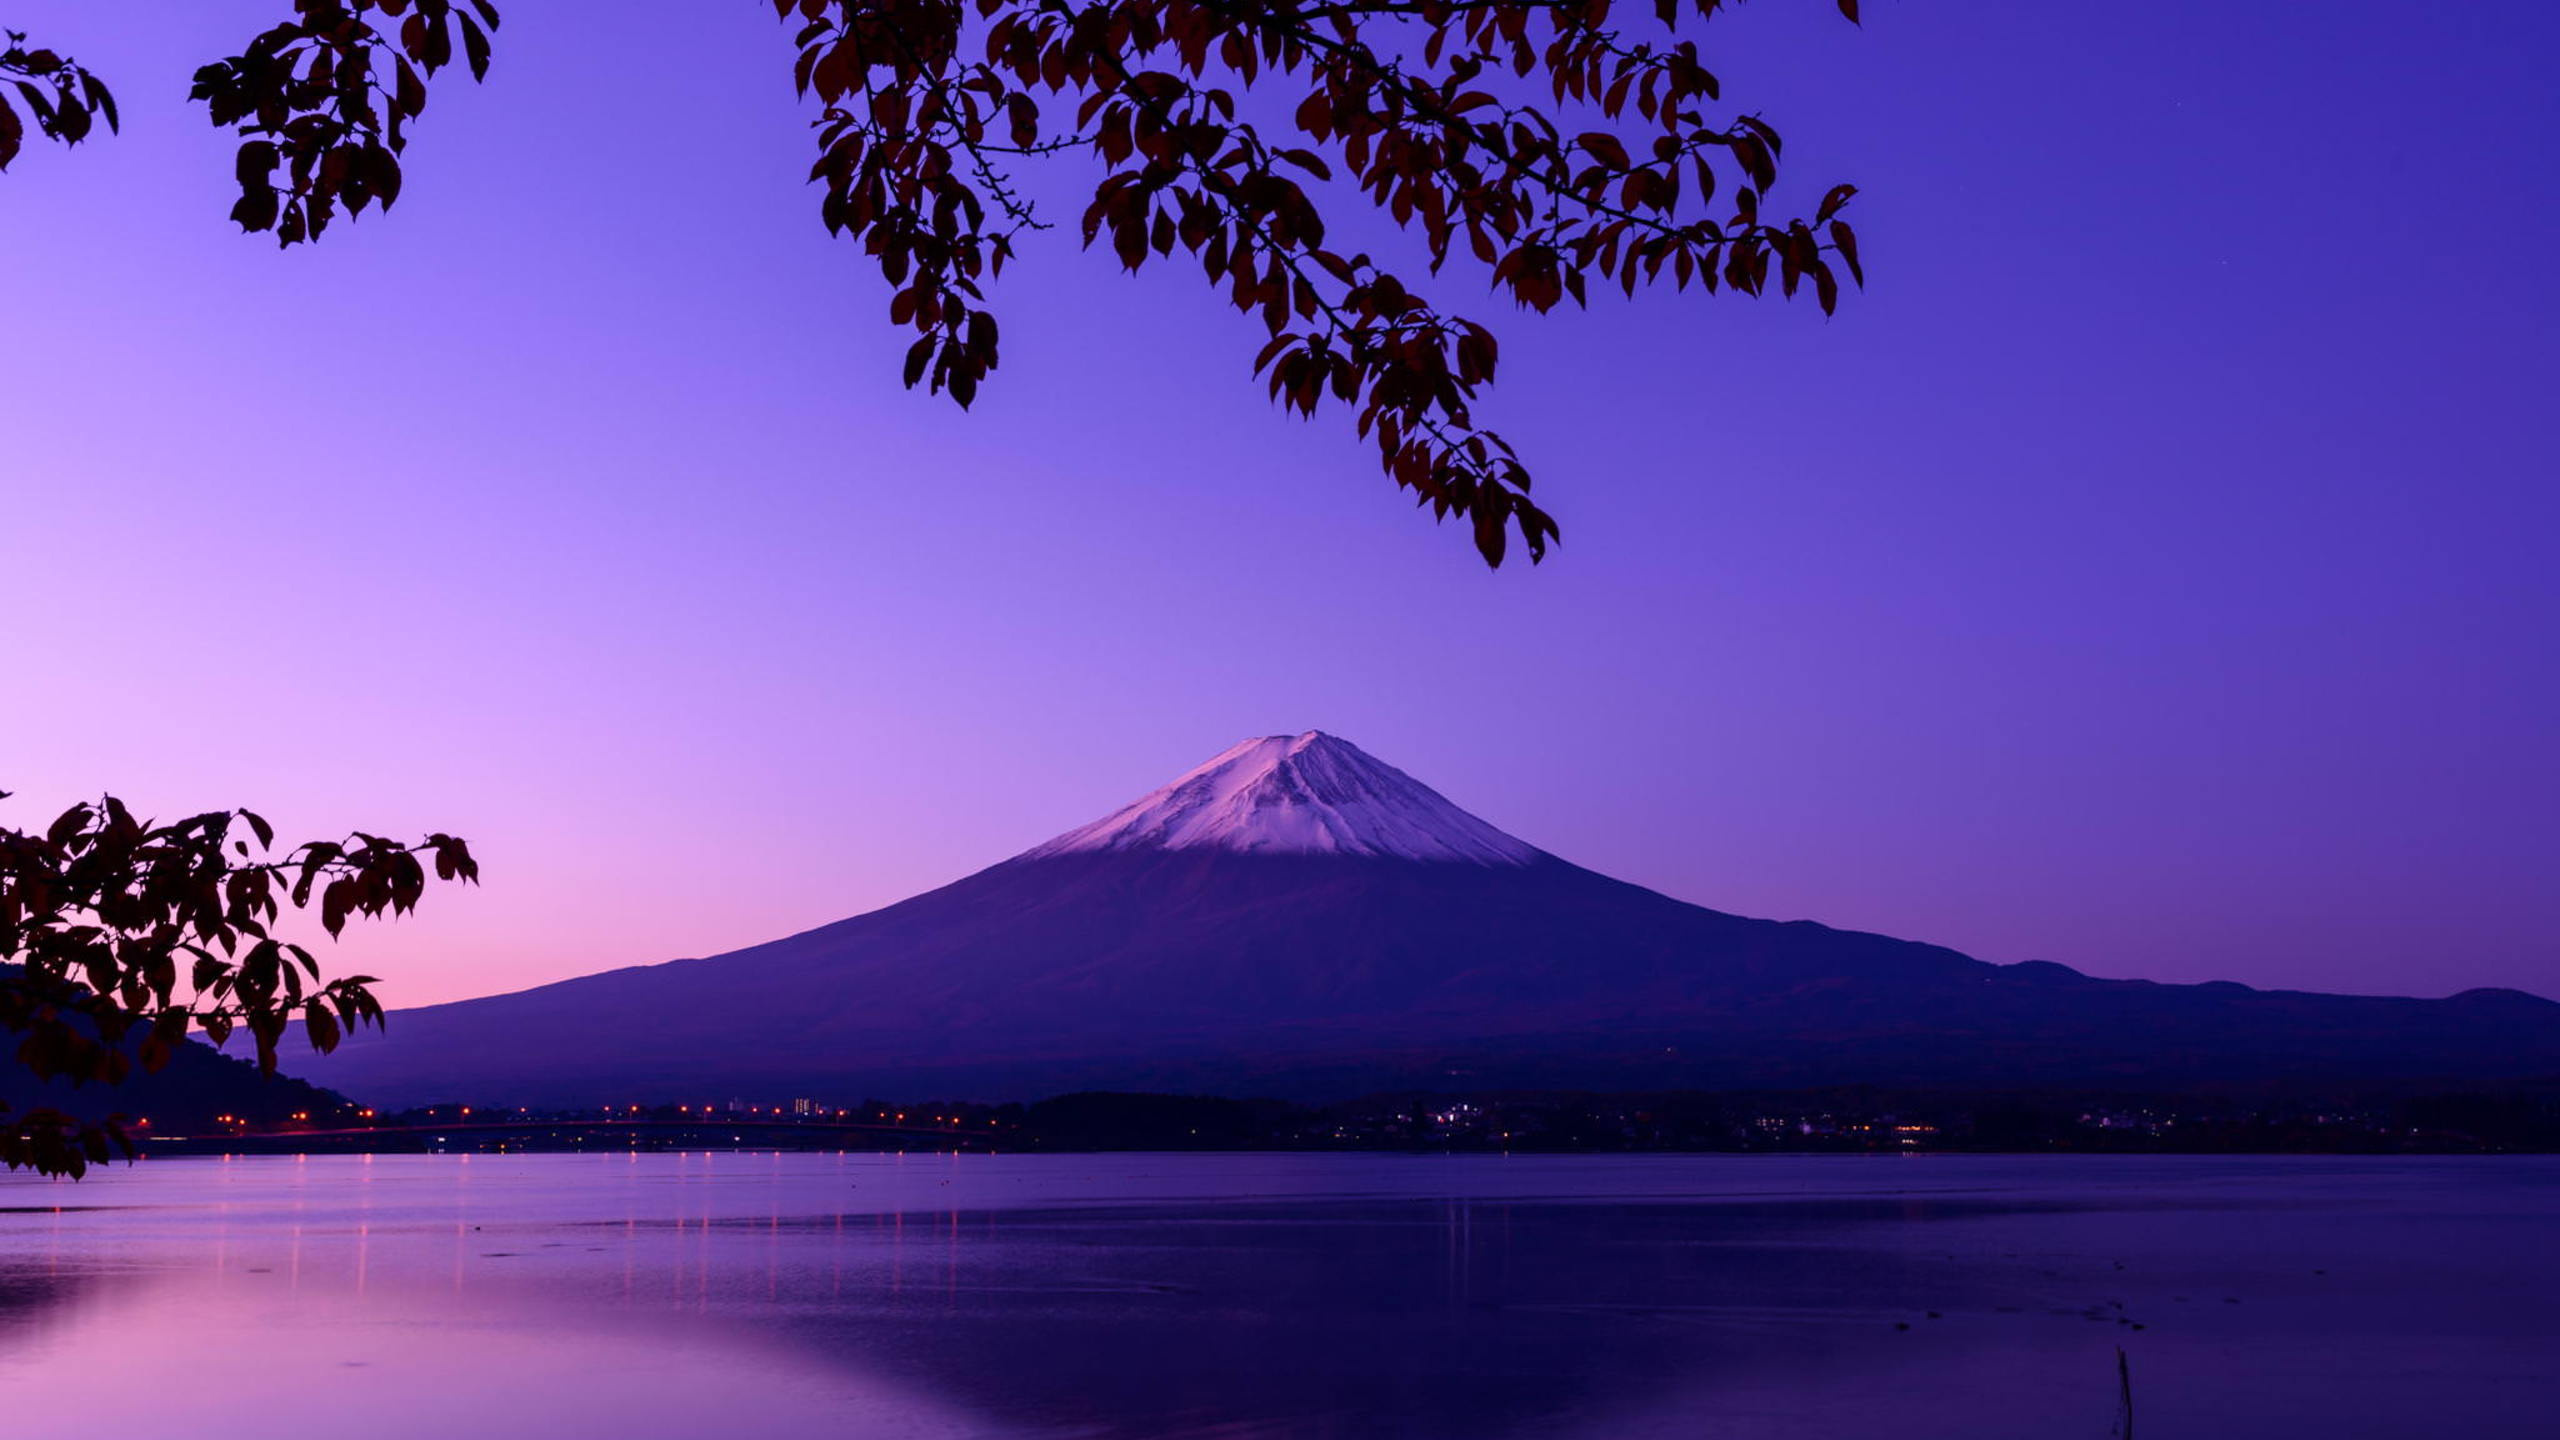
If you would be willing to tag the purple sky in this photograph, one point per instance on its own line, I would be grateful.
(2153, 571)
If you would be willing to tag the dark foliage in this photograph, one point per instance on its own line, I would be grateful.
(122, 936)
(323, 102)
(1554, 144)
(64, 100)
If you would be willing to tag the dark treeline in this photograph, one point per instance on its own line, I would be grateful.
(199, 1089)
(1848, 1120)
(1854, 1120)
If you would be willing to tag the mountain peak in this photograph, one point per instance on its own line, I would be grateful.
(1304, 794)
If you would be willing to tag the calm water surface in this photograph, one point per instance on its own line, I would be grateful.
(762, 1295)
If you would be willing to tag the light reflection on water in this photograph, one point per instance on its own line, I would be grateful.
(774, 1295)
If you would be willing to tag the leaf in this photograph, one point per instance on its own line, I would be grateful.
(1604, 147)
(102, 99)
(76, 819)
(321, 1026)
(1308, 161)
(475, 46)
(411, 92)
(39, 104)
(1846, 240)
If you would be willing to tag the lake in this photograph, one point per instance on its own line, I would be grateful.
(1268, 1295)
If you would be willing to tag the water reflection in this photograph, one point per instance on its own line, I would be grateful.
(1107, 1296)
(221, 1356)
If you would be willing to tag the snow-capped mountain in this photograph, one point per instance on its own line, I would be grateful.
(1310, 794)
(1300, 919)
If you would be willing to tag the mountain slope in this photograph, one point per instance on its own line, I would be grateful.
(1296, 917)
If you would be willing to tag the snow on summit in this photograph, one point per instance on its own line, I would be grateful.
(1310, 794)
